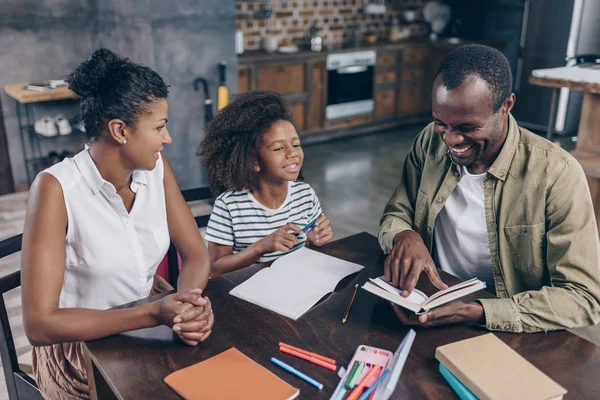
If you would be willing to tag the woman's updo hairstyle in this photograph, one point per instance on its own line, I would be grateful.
(113, 87)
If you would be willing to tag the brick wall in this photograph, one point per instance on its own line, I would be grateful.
(290, 19)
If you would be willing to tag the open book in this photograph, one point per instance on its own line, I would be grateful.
(417, 301)
(295, 282)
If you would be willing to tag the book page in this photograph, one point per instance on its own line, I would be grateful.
(320, 269)
(295, 282)
(416, 296)
(394, 298)
(453, 295)
(453, 288)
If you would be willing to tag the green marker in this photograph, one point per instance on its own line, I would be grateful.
(351, 375)
(352, 382)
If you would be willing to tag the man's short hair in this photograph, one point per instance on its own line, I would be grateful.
(484, 61)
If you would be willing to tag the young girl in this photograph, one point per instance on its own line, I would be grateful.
(98, 225)
(253, 157)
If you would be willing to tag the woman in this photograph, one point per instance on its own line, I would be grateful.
(98, 225)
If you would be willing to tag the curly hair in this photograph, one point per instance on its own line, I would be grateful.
(484, 61)
(110, 86)
(230, 147)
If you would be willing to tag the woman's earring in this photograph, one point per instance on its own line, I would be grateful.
(124, 141)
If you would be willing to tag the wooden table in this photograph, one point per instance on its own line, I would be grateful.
(587, 150)
(133, 365)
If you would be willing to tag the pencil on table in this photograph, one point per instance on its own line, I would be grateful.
(350, 304)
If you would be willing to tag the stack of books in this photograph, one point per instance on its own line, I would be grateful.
(485, 368)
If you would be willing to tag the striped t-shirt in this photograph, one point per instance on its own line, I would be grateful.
(239, 220)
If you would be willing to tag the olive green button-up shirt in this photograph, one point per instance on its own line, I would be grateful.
(540, 222)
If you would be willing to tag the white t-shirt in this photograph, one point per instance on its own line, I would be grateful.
(239, 220)
(111, 254)
(461, 245)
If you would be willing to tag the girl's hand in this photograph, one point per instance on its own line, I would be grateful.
(280, 240)
(321, 233)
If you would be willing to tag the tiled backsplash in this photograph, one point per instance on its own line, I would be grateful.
(291, 19)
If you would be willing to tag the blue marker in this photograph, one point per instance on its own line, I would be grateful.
(309, 225)
(366, 394)
(294, 371)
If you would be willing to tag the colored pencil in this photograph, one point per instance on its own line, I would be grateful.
(367, 392)
(350, 304)
(359, 388)
(311, 359)
(308, 353)
(309, 225)
(294, 371)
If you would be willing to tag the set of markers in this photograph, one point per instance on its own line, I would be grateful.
(365, 372)
(314, 358)
(373, 373)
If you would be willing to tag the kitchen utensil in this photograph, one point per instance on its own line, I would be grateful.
(270, 43)
(222, 91)
(239, 42)
(438, 15)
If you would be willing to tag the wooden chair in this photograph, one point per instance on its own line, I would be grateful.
(201, 193)
(20, 385)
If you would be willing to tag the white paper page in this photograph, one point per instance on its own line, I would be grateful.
(292, 285)
(321, 269)
(454, 288)
(384, 294)
(454, 295)
(415, 296)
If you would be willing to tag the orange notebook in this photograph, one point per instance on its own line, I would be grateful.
(229, 375)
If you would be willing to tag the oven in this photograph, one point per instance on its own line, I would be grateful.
(350, 79)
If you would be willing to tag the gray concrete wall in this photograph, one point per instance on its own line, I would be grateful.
(46, 39)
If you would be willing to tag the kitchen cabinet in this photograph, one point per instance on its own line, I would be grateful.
(385, 104)
(285, 79)
(402, 86)
(244, 75)
(298, 111)
(386, 77)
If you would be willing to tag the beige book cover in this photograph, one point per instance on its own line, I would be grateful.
(494, 371)
(230, 375)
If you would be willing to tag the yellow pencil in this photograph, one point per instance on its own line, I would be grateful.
(350, 304)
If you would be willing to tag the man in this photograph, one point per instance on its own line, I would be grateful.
(485, 198)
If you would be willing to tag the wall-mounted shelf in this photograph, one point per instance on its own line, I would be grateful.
(31, 141)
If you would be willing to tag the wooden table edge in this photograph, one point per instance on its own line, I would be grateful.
(588, 87)
(92, 365)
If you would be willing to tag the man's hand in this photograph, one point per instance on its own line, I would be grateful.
(408, 258)
(450, 313)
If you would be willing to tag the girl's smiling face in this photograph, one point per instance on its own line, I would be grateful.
(280, 155)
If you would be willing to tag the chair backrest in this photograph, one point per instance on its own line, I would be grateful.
(201, 193)
(19, 384)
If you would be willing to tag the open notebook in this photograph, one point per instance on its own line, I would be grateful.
(230, 375)
(295, 282)
(418, 302)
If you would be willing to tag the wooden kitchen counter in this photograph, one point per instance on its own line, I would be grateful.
(587, 150)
